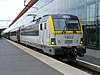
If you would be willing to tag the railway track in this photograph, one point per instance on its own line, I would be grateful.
(82, 66)
(93, 67)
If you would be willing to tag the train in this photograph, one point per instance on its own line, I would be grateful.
(59, 35)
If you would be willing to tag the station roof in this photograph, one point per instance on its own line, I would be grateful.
(28, 6)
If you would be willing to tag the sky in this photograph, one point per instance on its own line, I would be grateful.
(9, 9)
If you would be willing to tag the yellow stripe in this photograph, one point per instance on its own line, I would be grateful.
(81, 28)
(51, 25)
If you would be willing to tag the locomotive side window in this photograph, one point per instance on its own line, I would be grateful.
(44, 25)
(41, 26)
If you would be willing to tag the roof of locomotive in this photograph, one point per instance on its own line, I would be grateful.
(59, 16)
(66, 16)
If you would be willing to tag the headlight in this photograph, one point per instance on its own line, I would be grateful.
(81, 41)
(53, 41)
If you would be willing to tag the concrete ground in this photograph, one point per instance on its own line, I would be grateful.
(14, 61)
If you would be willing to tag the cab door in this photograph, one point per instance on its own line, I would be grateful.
(43, 33)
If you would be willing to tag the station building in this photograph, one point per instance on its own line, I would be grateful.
(88, 12)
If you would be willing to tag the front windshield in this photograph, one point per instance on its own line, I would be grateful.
(66, 24)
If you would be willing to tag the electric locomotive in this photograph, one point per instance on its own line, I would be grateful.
(59, 35)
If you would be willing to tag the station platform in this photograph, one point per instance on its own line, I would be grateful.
(19, 60)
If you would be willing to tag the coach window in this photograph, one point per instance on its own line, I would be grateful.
(99, 35)
(41, 26)
(91, 13)
(88, 16)
(44, 25)
(99, 11)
